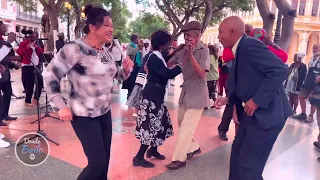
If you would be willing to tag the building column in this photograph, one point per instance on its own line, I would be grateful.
(318, 10)
(308, 8)
(211, 38)
(298, 5)
(303, 41)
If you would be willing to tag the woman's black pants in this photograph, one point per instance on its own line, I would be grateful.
(95, 136)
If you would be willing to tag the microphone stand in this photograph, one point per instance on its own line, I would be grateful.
(46, 106)
(13, 96)
(37, 75)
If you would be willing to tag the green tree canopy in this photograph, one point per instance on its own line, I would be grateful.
(209, 12)
(148, 23)
(118, 9)
(120, 15)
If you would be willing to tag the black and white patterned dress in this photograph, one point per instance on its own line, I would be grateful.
(153, 121)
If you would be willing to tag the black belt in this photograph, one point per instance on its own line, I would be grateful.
(156, 84)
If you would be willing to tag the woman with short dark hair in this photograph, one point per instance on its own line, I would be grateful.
(91, 70)
(153, 122)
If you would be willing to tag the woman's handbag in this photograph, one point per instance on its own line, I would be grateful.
(314, 98)
(135, 98)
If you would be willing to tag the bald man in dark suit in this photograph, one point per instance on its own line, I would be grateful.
(256, 90)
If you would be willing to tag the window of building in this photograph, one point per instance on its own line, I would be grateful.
(4, 4)
(302, 7)
(294, 4)
(315, 7)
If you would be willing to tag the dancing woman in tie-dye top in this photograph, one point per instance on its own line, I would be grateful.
(91, 70)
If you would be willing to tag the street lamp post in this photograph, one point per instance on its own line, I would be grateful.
(68, 7)
(82, 17)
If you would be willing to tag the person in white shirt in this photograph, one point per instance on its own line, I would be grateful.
(116, 51)
(146, 47)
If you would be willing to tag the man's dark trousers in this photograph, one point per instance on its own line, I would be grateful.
(251, 148)
(226, 119)
(1, 106)
(6, 88)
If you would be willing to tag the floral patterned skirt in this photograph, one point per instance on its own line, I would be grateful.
(153, 123)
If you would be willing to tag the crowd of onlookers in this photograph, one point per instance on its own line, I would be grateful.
(302, 84)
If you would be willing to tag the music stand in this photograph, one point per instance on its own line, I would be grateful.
(16, 97)
(46, 113)
(38, 76)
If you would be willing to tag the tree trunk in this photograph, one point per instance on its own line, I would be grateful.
(205, 22)
(178, 24)
(54, 25)
(207, 16)
(176, 35)
(266, 15)
(77, 10)
(52, 8)
(289, 16)
(77, 28)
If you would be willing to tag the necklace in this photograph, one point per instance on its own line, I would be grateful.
(105, 56)
(94, 47)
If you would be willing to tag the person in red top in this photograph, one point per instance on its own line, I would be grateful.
(264, 37)
(227, 56)
(30, 51)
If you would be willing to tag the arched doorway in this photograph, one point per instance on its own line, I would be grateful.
(293, 47)
(313, 39)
